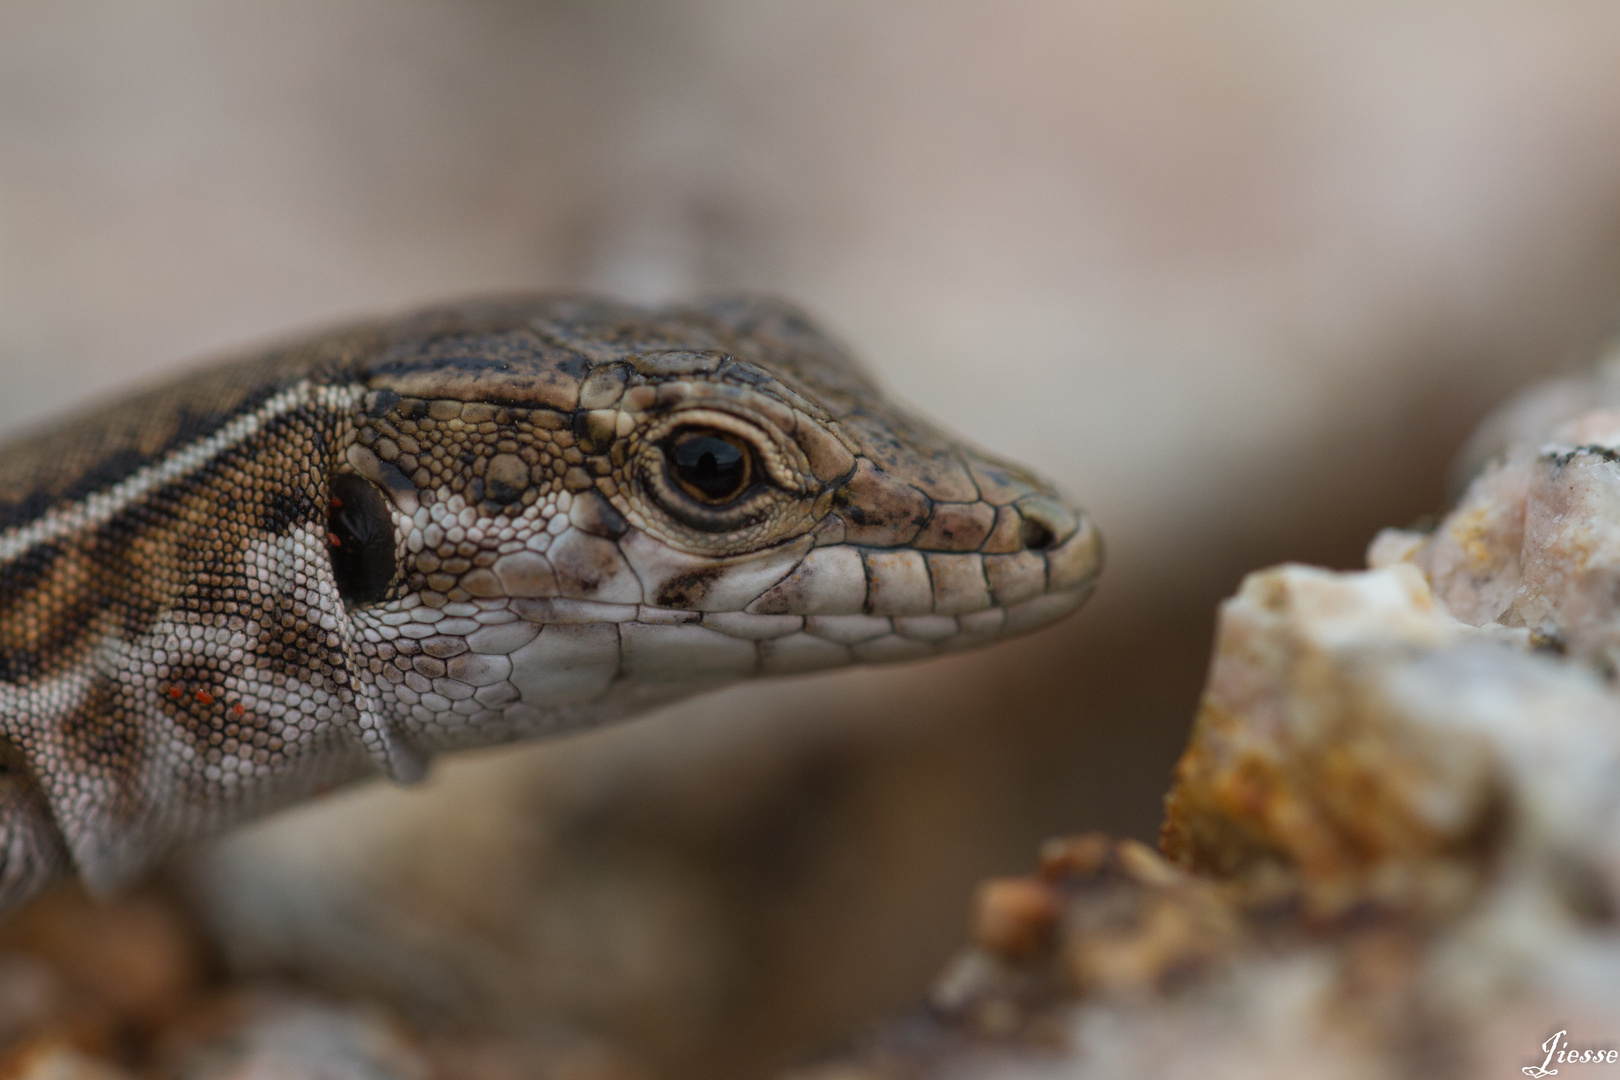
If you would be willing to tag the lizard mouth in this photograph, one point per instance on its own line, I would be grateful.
(531, 661)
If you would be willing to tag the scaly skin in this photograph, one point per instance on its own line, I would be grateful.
(477, 524)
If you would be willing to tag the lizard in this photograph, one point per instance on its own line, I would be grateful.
(471, 524)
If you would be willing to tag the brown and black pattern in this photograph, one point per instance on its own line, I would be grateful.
(458, 528)
(127, 715)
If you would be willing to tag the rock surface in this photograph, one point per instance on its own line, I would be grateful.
(1393, 843)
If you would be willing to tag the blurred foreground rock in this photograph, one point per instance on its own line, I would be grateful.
(129, 989)
(1393, 844)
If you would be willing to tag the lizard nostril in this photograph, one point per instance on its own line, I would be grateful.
(1036, 535)
(1046, 522)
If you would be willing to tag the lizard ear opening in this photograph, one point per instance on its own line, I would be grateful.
(360, 540)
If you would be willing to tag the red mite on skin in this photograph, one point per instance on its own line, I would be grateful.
(176, 693)
(336, 504)
(205, 697)
(237, 709)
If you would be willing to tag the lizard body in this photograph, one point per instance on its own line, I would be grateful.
(475, 524)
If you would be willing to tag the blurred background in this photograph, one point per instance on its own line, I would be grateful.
(1241, 277)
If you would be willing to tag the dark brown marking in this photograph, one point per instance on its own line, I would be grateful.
(880, 510)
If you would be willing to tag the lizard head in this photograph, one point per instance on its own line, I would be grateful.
(486, 522)
(553, 513)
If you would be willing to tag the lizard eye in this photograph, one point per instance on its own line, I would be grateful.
(714, 467)
(712, 471)
(360, 539)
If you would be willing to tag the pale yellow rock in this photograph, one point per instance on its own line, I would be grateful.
(1392, 546)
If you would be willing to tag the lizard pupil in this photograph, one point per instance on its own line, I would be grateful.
(360, 540)
(712, 466)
